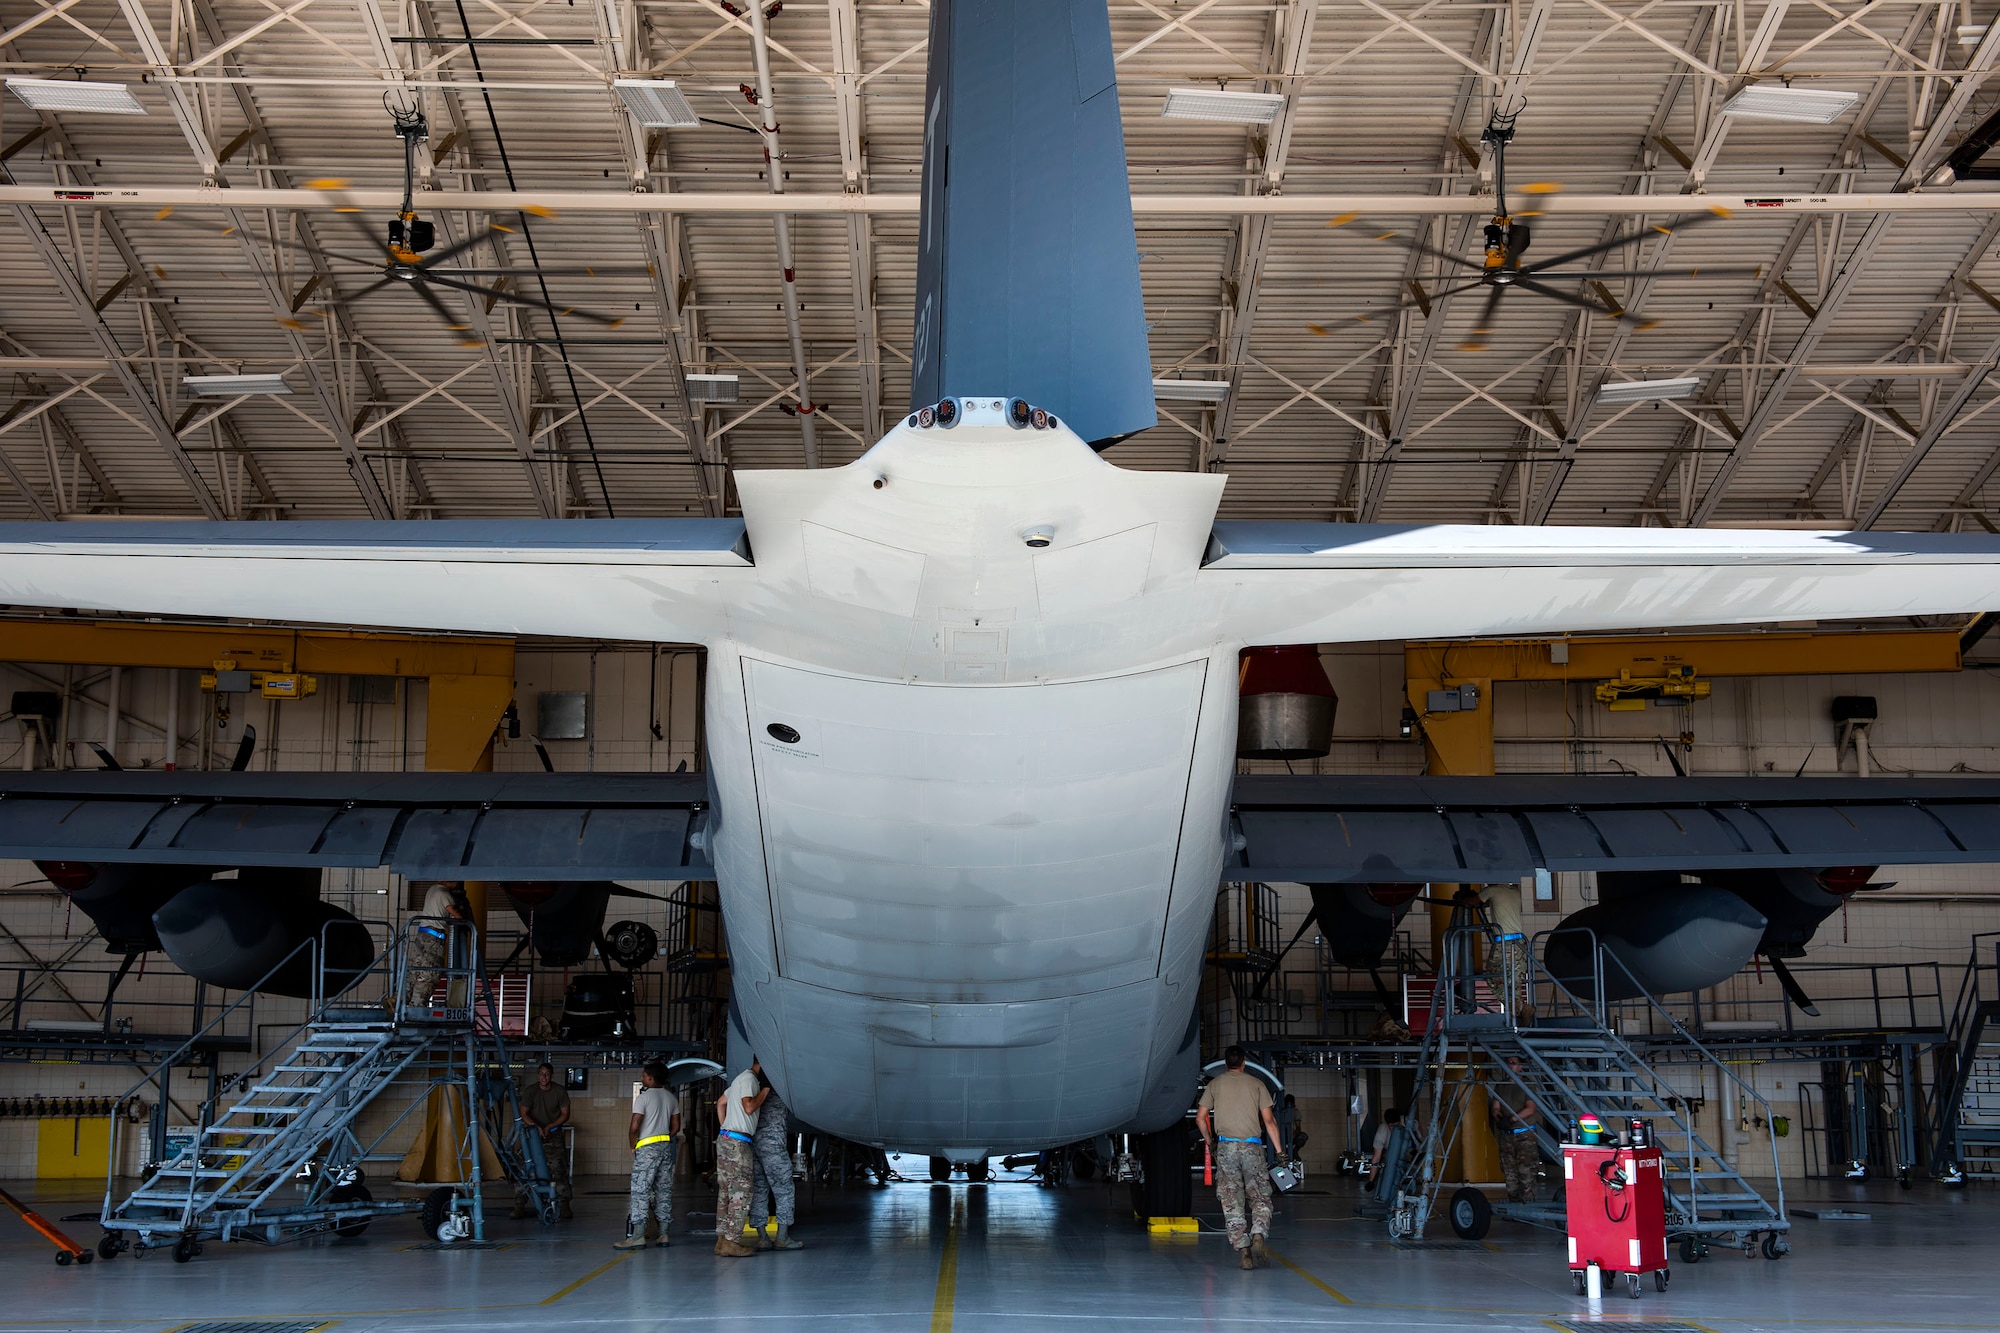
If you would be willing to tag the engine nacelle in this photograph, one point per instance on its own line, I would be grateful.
(1684, 940)
(1285, 704)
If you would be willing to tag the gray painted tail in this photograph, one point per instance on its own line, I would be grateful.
(1028, 269)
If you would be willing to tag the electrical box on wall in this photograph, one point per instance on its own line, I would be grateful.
(562, 715)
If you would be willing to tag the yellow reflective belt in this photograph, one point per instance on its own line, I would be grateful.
(657, 1138)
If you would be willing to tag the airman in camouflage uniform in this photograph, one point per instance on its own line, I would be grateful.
(771, 1181)
(737, 1108)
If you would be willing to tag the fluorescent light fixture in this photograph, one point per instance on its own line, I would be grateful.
(656, 103)
(104, 99)
(714, 388)
(1640, 391)
(233, 386)
(1970, 33)
(1813, 106)
(1190, 391)
(1216, 104)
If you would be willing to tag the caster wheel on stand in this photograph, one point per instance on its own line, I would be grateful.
(1632, 1285)
(185, 1249)
(1660, 1279)
(1775, 1246)
(1576, 1280)
(64, 1258)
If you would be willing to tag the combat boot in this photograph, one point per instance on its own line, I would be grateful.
(1243, 1259)
(1258, 1254)
(784, 1240)
(732, 1249)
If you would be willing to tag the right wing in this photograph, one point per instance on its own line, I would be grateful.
(652, 579)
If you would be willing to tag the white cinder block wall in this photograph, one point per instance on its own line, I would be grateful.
(1929, 725)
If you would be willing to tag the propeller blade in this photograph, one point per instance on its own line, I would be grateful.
(244, 749)
(1556, 261)
(620, 891)
(1793, 991)
(513, 299)
(1276, 963)
(1484, 328)
(105, 759)
(548, 764)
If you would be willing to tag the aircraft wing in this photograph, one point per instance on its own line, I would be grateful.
(1354, 582)
(1317, 830)
(479, 826)
(655, 579)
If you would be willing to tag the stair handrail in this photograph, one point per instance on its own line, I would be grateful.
(1954, 1063)
(1601, 955)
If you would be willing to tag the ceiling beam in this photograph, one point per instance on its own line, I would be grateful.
(1923, 159)
(1969, 197)
(84, 308)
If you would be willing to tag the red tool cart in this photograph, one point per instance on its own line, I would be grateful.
(1617, 1213)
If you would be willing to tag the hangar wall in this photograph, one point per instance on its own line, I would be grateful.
(1929, 725)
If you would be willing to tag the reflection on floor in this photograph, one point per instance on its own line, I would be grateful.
(1009, 1255)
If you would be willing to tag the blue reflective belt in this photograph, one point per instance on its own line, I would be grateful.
(1221, 1139)
(1523, 1129)
(433, 933)
(732, 1134)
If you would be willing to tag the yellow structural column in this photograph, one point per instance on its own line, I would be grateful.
(1459, 743)
(461, 718)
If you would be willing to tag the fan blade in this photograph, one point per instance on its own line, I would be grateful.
(1484, 328)
(437, 308)
(627, 271)
(1556, 261)
(1434, 298)
(1421, 248)
(1622, 316)
(376, 261)
(372, 288)
(459, 248)
(1585, 274)
(510, 297)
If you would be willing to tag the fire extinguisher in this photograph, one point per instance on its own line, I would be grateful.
(1207, 1164)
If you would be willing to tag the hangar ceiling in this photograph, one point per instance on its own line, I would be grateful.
(1841, 322)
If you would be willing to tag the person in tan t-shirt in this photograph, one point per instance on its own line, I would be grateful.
(1234, 1115)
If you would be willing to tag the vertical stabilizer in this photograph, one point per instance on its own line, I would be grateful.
(1028, 269)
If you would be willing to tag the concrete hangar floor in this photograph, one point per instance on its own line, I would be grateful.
(1011, 1255)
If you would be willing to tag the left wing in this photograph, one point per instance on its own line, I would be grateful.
(1353, 582)
(1318, 830)
(480, 826)
(656, 579)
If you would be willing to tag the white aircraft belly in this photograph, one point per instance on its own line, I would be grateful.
(971, 844)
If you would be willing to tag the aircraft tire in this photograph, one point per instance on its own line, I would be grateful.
(980, 1171)
(1168, 1187)
(940, 1169)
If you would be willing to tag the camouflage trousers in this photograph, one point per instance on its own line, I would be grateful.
(1520, 1159)
(772, 1189)
(423, 960)
(1241, 1182)
(734, 1170)
(652, 1187)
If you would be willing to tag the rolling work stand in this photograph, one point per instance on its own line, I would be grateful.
(285, 1160)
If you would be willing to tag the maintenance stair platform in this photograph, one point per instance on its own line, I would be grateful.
(1574, 1063)
(284, 1158)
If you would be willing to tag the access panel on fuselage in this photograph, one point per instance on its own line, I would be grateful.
(971, 843)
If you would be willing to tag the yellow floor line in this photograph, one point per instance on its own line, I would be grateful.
(947, 1287)
(1307, 1276)
(591, 1276)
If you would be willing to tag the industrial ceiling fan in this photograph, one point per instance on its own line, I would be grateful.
(404, 257)
(1507, 237)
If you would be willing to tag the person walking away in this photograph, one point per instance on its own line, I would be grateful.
(737, 1109)
(1234, 1115)
(545, 1112)
(1514, 1119)
(771, 1187)
(443, 902)
(1391, 1149)
(656, 1118)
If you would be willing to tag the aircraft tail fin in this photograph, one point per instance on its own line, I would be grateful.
(1028, 267)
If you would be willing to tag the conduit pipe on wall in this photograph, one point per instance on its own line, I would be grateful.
(781, 224)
